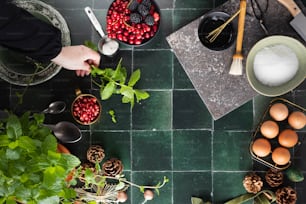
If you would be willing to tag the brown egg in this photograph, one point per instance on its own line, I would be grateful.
(281, 156)
(279, 111)
(122, 196)
(269, 129)
(288, 138)
(261, 147)
(297, 120)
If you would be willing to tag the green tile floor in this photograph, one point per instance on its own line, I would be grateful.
(172, 134)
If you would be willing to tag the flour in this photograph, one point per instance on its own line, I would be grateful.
(275, 65)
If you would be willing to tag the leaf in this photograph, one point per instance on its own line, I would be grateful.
(120, 186)
(112, 114)
(50, 200)
(49, 144)
(12, 154)
(108, 90)
(27, 144)
(142, 189)
(157, 191)
(13, 127)
(127, 91)
(141, 95)
(294, 174)
(71, 161)
(195, 200)
(96, 71)
(134, 78)
(4, 140)
(125, 99)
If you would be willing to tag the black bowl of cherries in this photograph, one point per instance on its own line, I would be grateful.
(133, 22)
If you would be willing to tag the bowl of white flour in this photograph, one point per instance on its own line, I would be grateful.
(276, 65)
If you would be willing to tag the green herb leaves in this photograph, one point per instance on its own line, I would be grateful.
(115, 82)
(31, 171)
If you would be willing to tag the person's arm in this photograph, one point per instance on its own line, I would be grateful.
(22, 32)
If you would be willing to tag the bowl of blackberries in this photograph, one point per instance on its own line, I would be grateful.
(133, 22)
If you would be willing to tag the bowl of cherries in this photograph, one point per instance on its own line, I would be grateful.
(133, 22)
(86, 109)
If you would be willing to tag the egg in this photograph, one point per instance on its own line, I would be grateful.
(281, 156)
(297, 120)
(269, 129)
(288, 138)
(261, 147)
(122, 196)
(279, 111)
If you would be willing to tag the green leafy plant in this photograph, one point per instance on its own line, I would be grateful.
(31, 169)
(114, 81)
(99, 188)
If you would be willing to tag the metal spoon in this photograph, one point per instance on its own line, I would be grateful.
(106, 46)
(55, 107)
(65, 131)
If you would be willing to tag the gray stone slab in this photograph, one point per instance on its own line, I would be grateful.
(208, 70)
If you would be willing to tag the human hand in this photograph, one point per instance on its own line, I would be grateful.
(78, 58)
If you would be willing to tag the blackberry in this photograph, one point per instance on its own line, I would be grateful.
(147, 3)
(143, 10)
(149, 20)
(133, 5)
(135, 18)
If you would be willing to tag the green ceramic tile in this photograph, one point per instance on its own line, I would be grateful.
(239, 119)
(159, 41)
(122, 114)
(227, 185)
(4, 98)
(189, 111)
(231, 151)
(98, 4)
(191, 184)
(151, 179)
(165, 4)
(151, 150)
(300, 188)
(219, 2)
(260, 105)
(180, 78)
(192, 150)
(115, 144)
(194, 4)
(154, 75)
(153, 113)
(184, 17)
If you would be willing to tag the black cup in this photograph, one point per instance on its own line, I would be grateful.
(212, 21)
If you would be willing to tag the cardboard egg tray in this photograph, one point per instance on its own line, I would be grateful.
(267, 161)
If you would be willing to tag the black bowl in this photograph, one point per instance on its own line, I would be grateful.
(212, 21)
(119, 34)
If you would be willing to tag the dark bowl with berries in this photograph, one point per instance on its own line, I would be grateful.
(133, 22)
(86, 108)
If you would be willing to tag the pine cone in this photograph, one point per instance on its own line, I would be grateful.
(112, 167)
(252, 183)
(286, 195)
(95, 153)
(274, 177)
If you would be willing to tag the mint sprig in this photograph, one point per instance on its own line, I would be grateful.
(115, 81)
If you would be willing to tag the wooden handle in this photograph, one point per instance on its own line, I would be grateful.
(292, 7)
(241, 22)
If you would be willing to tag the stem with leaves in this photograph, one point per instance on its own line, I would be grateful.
(115, 82)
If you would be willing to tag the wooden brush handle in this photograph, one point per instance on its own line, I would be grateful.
(291, 6)
(241, 21)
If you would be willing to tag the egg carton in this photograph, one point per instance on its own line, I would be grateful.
(267, 161)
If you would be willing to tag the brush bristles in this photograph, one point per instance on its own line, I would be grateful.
(236, 67)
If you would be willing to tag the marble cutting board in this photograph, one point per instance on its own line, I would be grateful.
(208, 70)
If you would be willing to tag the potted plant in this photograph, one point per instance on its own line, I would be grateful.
(31, 169)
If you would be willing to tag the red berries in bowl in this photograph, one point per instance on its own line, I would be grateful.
(133, 22)
(86, 109)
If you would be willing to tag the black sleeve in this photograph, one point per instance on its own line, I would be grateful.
(24, 33)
